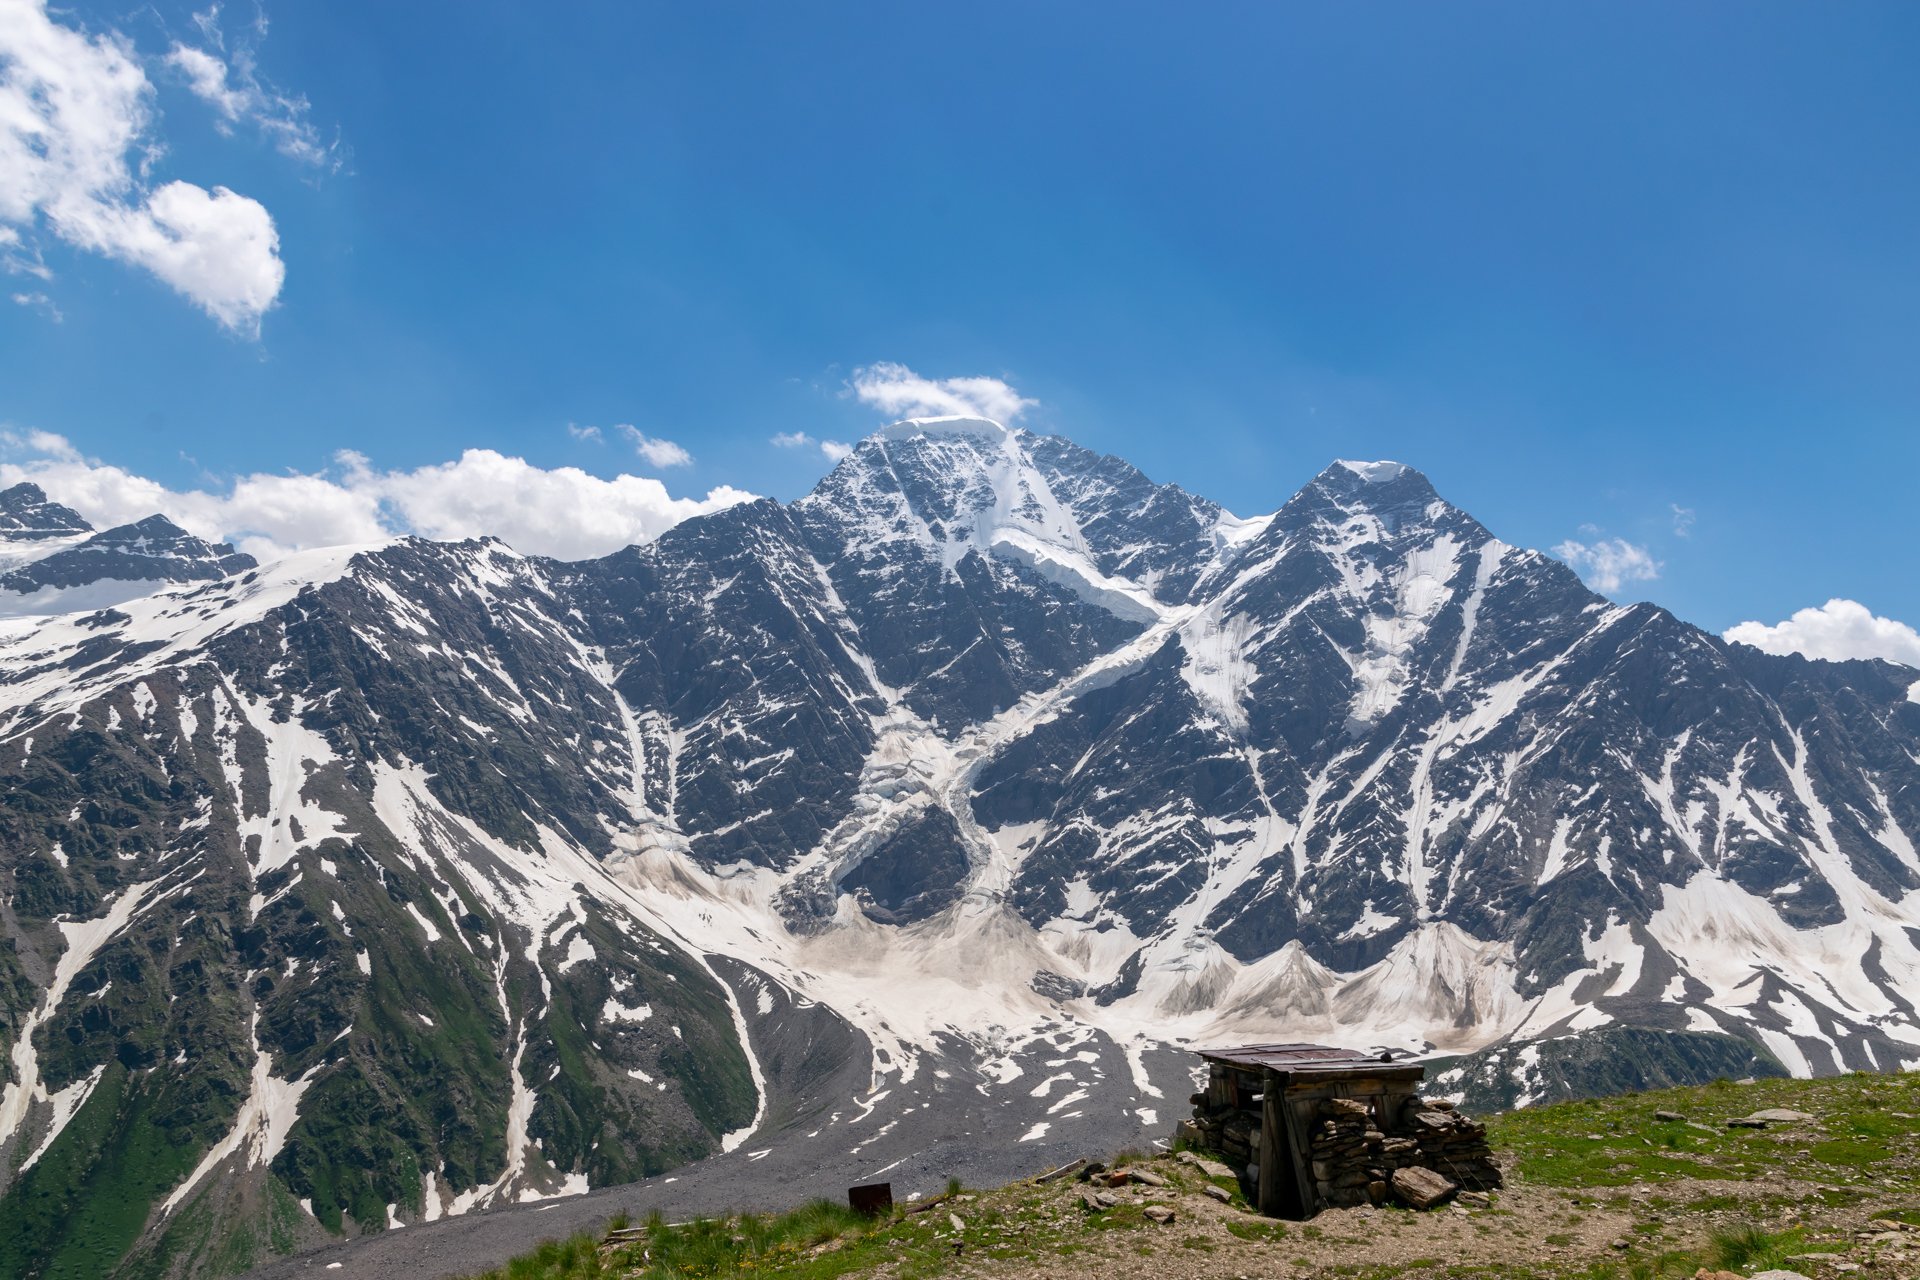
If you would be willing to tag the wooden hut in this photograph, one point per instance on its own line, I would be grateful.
(1309, 1126)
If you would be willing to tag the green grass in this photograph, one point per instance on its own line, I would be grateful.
(740, 1245)
(1863, 1126)
(1750, 1248)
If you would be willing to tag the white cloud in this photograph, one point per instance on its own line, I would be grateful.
(562, 511)
(660, 453)
(899, 392)
(1609, 563)
(75, 112)
(229, 81)
(1837, 630)
(834, 450)
(579, 432)
(1683, 518)
(41, 302)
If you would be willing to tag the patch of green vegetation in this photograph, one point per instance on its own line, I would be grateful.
(1262, 1229)
(75, 1214)
(1751, 1248)
(1850, 1153)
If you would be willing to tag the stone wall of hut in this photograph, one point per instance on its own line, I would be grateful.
(1352, 1157)
(1355, 1136)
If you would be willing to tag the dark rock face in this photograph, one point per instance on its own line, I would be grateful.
(1594, 1064)
(362, 888)
(26, 515)
(913, 873)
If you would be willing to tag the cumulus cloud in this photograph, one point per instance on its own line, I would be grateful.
(76, 141)
(1837, 630)
(659, 453)
(227, 78)
(1609, 563)
(833, 449)
(899, 392)
(563, 511)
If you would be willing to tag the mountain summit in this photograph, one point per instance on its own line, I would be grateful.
(385, 885)
(52, 561)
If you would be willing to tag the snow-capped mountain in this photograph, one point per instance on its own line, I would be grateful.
(52, 561)
(375, 885)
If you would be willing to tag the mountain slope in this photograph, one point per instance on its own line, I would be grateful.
(371, 886)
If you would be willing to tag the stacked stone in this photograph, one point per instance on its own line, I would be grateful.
(1233, 1132)
(1448, 1143)
(1353, 1161)
(1344, 1153)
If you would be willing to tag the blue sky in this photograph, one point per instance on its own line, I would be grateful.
(1583, 265)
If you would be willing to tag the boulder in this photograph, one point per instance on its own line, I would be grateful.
(1211, 1168)
(1669, 1117)
(1420, 1188)
(1218, 1193)
(1159, 1213)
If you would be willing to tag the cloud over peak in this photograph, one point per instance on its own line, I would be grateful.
(562, 511)
(899, 392)
(1608, 564)
(832, 450)
(657, 452)
(1838, 630)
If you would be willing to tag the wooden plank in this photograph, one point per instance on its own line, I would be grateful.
(1273, 1145)
(1305, 1200)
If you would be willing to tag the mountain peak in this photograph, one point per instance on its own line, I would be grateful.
(24, 492)
(1391, 491)
(27, 514)
(947, 425)
(1374, 472)
(151, 528)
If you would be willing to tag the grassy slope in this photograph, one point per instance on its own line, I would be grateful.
(1598, 1189)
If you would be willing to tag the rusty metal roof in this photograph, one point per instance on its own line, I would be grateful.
(1305, 1058)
